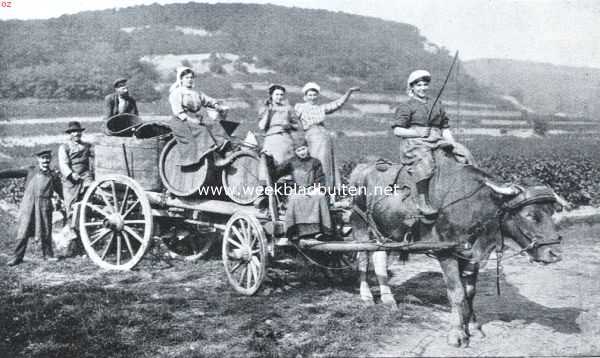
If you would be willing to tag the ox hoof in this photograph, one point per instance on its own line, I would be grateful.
(367, 301)
(475, 331)
(458, 338)
(388, 300)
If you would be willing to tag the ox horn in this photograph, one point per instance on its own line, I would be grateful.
(509, 190)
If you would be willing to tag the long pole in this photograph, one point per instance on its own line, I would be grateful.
(458, 123)
(443, 86)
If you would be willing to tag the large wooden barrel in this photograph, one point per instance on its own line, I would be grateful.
(132, 157)
(184, 181)
(240, 178)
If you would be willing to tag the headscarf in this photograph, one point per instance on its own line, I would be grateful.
(180, 71)
(311, 86)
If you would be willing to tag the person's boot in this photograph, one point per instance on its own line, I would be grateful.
(15, 262)
(423, 199)
(425, 207)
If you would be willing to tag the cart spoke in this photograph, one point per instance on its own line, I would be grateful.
(107, 246)
(249, 276)
(236, 267)
(134, 234)
(125, 197)
(128, 243)
(235, 243)
(130, 209)
(244, 227)
(254, 270)
(256, 261)
(239, 235)
(118, 249)
(129, 222)
(114, 195)
(104, 196)
(96, 236)
(94, 223)
(243, 273)
(97, 209)
(254, 238)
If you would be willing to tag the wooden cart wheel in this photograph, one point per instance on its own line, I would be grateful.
(245, 253)
(240, 178)
(115, 222)
(186, 242)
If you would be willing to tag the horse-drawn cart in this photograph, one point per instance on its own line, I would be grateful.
(141, 195)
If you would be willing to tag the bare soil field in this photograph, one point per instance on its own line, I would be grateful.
(167, 308)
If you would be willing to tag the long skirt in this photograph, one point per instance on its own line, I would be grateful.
(280, 145)
(320, 146)
(307, 215)
(194, 141)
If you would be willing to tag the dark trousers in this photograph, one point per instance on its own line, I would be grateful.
(47, 250)
(40, 225)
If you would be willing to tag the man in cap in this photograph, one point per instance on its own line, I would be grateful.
(35, 212)
(75, 161)
(120, 101)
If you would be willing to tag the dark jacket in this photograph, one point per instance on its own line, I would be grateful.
(35, 211)
(112, 105)
(305, 172)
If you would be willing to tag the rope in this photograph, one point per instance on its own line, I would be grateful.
(313, 262)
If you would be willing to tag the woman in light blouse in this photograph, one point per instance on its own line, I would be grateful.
(194, 135)
(312, 116)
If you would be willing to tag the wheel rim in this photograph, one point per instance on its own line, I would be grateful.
(242, 179)
(115, 222)
(244, 253)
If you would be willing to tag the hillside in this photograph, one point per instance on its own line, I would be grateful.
(545, 88)
(78, 56)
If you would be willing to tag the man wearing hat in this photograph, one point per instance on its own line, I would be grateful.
(120, 101)
(35, 212)
(75, 161)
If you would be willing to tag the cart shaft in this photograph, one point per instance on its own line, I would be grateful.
(347, 246)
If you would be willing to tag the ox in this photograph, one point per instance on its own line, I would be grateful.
(474, 213)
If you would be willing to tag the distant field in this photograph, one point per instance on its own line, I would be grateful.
(569, 163)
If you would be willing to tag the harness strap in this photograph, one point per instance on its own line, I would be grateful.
(499, 251)
(367, 219)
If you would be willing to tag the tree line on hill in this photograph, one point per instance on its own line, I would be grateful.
(78, 56)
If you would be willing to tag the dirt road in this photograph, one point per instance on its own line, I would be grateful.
(549, 310)
(74, 309)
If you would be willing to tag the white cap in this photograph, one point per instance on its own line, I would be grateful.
(311, 86)
(418, 75)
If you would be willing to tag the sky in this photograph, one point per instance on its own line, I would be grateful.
(561, 32)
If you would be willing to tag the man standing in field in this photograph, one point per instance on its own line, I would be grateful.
(35, 212)
(75, 161)
(120, 101)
